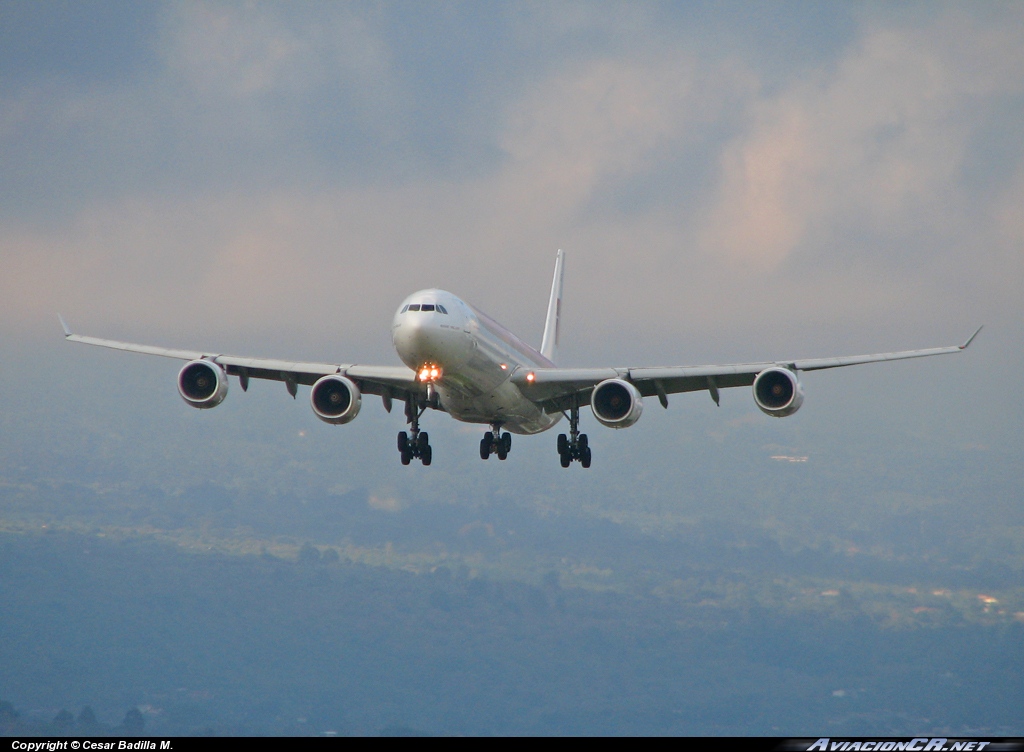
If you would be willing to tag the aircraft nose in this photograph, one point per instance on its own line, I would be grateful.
(413, 339)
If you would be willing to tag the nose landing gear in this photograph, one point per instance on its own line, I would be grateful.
(416, 443)
(575, 446)
(495, 442)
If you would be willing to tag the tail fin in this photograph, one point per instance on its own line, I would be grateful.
(549, 345)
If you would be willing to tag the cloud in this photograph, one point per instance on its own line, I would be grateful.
(226, 51)
(870, 150)
(691, 192)
(234, 97)
(384, 503)
(596, 121)
(286, 254)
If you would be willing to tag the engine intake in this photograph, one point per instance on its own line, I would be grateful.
(202, 384)
(335, 399)
(616, 403)
(778, 392)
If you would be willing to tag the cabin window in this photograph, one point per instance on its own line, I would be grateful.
(414, 307)
(427, 307)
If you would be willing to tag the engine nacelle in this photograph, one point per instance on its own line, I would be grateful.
(335, 399)
(202, 384)
(778, 392)
(616, 403)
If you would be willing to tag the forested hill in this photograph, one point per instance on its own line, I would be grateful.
(298, 639)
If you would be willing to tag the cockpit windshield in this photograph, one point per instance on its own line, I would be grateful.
(424, 307)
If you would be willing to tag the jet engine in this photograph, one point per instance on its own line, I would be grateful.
(616, 403)
(335, 399)
(778, 392)
(202, 384)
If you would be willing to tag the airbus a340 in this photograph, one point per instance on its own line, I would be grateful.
(460, 361)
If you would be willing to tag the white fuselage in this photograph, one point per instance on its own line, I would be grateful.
(476, 358)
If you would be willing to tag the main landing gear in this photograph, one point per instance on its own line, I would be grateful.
(495, 442)
(416, 443)
(574, 446)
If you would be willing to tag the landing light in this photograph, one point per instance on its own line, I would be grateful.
(531, 376)
(430, 372)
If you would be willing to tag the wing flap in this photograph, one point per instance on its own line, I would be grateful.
(384, 380)
(695, 378)
(648, 385)
(268, 364)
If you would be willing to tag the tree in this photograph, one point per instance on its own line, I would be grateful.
(8, 718)
(63, 722)
(87, 719)
(133, 723)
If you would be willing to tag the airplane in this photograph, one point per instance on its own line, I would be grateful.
(460, 361)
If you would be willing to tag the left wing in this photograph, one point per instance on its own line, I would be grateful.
(558, 389)
(386, 381)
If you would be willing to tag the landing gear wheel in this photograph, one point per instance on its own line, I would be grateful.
(492, 443)
(575, 446)
(416, 445)
(495, 442)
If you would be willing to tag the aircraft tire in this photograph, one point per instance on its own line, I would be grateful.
(485, 448)
(584, 443)
(506, 441)
(424, 441)
(565, 458)
(406, 457)
(403, 441)
(426, 455)
(563, 443)
(502, 454)
(585, 457)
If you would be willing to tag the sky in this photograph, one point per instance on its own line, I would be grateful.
(730, 182)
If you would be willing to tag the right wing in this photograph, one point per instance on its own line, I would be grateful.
(558, 389)
(386, 381)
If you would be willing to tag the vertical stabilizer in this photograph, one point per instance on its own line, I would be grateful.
(549, 345)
